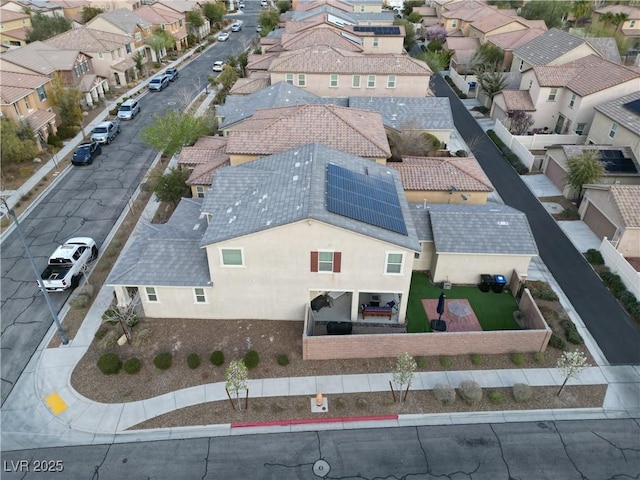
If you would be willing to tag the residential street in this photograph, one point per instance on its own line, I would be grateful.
(616, 334)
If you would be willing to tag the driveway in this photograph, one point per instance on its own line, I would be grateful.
(616, 334)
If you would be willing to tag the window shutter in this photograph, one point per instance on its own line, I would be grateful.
(314, 261)
(337, 261)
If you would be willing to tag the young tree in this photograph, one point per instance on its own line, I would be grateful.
(488, 58)
(520, 122)
(66, 98)
(410, 4)
(403, 374)
(491, 83)
(195, 21)
(436, 33)
(214, 11)
(89, 12)
(414, 17)
(173, 130)
(410, 33)
(137, 58)
(160, 41)
(436, 61)
(226, 79)
(571, 364)
(44, 27)
(170, 187)
(17, 142)
(584, 168)
(619, 19)
(269, 20)
(236, 377)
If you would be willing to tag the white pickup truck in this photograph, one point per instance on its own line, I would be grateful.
(104, 132)
(67, 263)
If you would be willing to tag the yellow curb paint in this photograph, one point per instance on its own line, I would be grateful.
(56, 404)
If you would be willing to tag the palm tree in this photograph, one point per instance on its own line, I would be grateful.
(584, 168)
(581, 9)
(619, 19)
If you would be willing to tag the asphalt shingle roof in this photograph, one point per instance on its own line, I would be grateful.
(166, 254)
(41, 57)
(627, 199)
(246, 86)
(421, 113)
(124, 19)
(89, 40)
(547, 47)
(289, 187)
(14, 86)
(475, 229)
(616, 111)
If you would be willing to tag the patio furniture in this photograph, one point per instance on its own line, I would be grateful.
(339, 328)
(369, 311)
(438, 325)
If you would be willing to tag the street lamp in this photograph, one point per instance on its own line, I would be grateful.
(63, 337)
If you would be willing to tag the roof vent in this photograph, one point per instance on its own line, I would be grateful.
(502, 222)
(295, 178)
(232, 219)
(229, 210)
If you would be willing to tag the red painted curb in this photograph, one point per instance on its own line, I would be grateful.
(282, 423)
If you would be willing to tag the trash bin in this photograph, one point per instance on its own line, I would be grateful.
(486, 282)
(499, 281)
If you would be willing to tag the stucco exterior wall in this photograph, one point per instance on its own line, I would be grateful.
(573, 55)
(425, 261)
(385, 45)
(178, 302)
(599, 134)
(99, 23)
(419, 196)
(466, 269)
(32, 100)
(276, 282)
(629, 243)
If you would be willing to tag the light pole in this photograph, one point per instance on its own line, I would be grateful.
(63, 337)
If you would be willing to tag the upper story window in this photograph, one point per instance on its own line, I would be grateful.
(326, 261)
(199, 295)
(100, 55)
(362, 8)
(371, 81)
(200, 191)
(454, 23)
(163, 27)
(152, 295)
(530, 84)
(180, 22)
(391, 81)
(612, 131)
(232, 257)
(572, 102)
(580, 128)
(553, 94)
(632, 24)
(138, 36)
(394, 262)
(333, 81)
(289, 78)
(128, 47)
(355, 81)
(521, 66)
(42, 94)
(376, 41)
(302, 80)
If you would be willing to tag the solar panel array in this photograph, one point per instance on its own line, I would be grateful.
(379, 30)
(369, 199)
(633, 106)
(615, 162)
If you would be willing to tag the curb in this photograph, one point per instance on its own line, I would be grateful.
(311, 421)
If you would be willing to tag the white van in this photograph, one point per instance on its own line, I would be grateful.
(128, 110)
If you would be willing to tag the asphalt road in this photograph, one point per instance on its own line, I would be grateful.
(567, 450)
(614, 331)
(87, 201)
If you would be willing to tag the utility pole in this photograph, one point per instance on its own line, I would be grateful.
(63, 337)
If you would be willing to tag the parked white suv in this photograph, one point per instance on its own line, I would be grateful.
(129, 109)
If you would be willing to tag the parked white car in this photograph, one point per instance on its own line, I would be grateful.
(218, 66)
(223, 37)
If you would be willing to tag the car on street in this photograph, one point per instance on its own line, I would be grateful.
(240, 4)
(85, 153)
(218, 66)
(159, 83)
(105, 132)
(236, 27)
(264, 3)
(258, 28)
(129, 109)
(172, 74)
(223, 37)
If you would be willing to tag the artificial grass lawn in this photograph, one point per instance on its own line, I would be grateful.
(494, 310)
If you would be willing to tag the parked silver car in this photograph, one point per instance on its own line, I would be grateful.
(129, 109)
(159, 83)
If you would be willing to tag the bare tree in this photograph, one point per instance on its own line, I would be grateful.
(571, 364)
(126, 316)
(411, 141)
(521, 121)
(403, 374)
(236, 377)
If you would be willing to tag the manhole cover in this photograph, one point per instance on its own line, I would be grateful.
(171, 103)
(321, 468)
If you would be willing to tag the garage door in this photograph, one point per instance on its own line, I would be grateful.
(556, 174)
(597, 222)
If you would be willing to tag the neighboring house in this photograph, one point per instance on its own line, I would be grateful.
(613, 211)
(617, 123)
(201, 161)
(285, 213)
(23, 96)
(13, 28)
(183, 7)
(510, 41)
(461, 242)
(111, 53)
(274, 130)
(500, 23)
(464, 49)
(330, 72)
(630, 28)
(74, 66)
(127, 23)
(446, 180)
(342, 18)
(168, 20)
(620, 166)
(506, 102)
(72, 9)
(304, 5)
(459, 16)
(107, 5)
(430, 115)
(564, 96)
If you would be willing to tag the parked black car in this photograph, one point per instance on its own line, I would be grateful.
(85, 153)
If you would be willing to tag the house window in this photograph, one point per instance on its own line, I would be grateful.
(326, 261)
(375, 41)
(163, 27)
(138, 36)
(371, 81)
(302, 80)
(152, 296)
(232, 257)
(289, 78)
(361, 8)
(394, 263)
(454, 23)
(632, 24)
(572, 102)
(521, 65)
(580, 128)
(355, 81)
(76, 70)
(200, 296)
(612, 132)
(128, 47)
(180, 22)
(552, 95)
(28, 107)
(391, 81)
(333, 81)
(530, 84)
(100, 55)
(200, 191)
(42, 94)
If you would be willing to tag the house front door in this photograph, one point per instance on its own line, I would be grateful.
(559, 123)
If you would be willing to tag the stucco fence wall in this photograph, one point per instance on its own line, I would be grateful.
(618, 264)
(330, 347)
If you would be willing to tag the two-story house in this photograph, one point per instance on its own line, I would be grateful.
(127, 23)
(341, 17)
(72, 9)
(330, 72)
(617, 123)
(13, 28)
(168, 20)
(183, 7)
(630, 27)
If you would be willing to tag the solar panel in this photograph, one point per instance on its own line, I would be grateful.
(369, 199)
(378, 30)
(633, 106)
(614, 161)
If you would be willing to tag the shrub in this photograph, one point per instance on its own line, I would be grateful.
(101, 332)
(109, 363)
(251, 359)
(613, 282)
(193, 360)
(517, 358)
(461, 153)
(66, 132)
(627, 298)
(79, 301)
(571, 332)
(217, 358)
(109, 316)
(362, 403)
(445, 361)
(594, 257)
(522, 392)
(162, 361)
(444, 394)
(283, 359)
(55, 140)
(422, 362)
(132, 365)
(557, 342)
(108, 340)
(542, 291)
(538, 357)
(470, 392)
(496, 397)
(476, 359)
